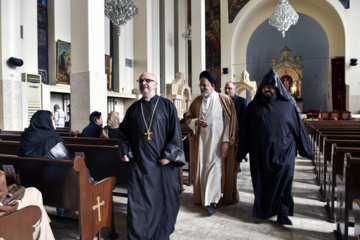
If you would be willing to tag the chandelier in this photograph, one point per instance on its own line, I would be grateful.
(187, 34)
(283, 17)
(120, 11)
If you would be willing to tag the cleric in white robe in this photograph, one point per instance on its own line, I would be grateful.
(212, 117)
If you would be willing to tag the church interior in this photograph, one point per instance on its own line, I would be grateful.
(76, 55)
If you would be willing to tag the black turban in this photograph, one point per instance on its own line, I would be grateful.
(210, 76)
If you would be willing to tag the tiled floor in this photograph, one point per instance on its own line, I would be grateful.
(235, 221)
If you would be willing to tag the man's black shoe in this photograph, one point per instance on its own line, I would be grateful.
(211, 209)
(284, 220)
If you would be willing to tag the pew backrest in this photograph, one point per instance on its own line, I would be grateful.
(65, 184)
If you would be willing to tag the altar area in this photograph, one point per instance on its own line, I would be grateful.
(290, 71)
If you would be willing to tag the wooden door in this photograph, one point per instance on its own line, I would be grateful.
(338, 83)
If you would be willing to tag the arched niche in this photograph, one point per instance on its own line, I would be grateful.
(237, 35)
(178, 91)
(246, 84)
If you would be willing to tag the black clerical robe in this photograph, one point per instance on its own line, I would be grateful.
(153, 189)
(272, 132)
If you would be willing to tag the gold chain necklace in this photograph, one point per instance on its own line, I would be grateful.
(148, 133)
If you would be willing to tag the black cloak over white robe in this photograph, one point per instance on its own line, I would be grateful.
(272, 132)
(153, 189)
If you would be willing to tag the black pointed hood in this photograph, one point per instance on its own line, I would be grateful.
(273, 79)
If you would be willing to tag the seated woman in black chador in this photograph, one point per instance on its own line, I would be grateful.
(41, 140)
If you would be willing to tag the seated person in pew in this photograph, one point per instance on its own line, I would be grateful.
(33, 196)
(95, 126)
(111, 130)
(40, 140)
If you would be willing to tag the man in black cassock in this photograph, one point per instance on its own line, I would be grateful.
(150, 140)
(272, 132)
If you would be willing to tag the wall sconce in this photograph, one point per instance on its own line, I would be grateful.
(225, 70)
(15, 61)
(353, 61)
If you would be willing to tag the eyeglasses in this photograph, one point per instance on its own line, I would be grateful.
(204, 85)
(147, 80)
(228, 88)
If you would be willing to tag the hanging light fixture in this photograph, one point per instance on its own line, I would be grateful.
(187, 34)
(120, 11)
(283, 17)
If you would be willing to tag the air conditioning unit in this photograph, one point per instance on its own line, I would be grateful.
(33, 93)
(33, 78)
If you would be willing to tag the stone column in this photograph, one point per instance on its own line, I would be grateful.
(13, 105)
(197, 43)
(146, 39)
(167, 43)
(88, 78)
(182, 46)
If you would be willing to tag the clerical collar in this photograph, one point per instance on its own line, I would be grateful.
(148, 99)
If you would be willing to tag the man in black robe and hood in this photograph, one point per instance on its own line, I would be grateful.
(150, 140)
(272, 132)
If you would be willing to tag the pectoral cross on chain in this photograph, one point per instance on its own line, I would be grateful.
(97, 206)
(148, 133)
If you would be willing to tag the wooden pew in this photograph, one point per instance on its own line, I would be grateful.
(312, 126)
(339, 128)
(102, 161)
(65, 184)
(327, 158)
(336, 127)
(356, 213)
(333, 135)
(7, 132)
(70, 140)
(348, 189)
(187, 135)
(9, 147)
(19, 224)
(90, 141)
(336, 166)
(9, 137)
(319, 154)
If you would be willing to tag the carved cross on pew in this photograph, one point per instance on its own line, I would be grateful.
(148, 133)
(97, 206)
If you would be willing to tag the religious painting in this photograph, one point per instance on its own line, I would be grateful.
(345, 3)
(288, 84)
(234, 8)
(41, 3)
(44, 76)
(42, 58)
(42, 17)
(213, 36)
(63, 65)
(42, 38)
(108, 71)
